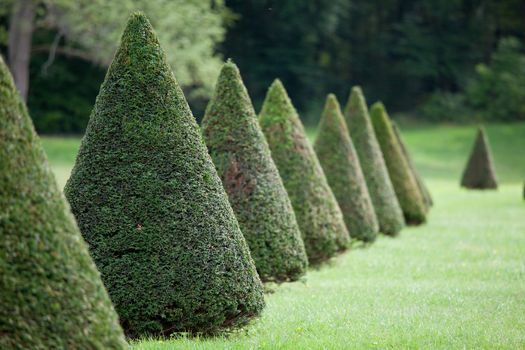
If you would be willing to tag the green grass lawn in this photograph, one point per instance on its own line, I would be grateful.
(457, 282)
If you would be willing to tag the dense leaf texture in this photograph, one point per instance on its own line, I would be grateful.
(251, 179)
(340, 163)
(480, 172)
(386, 205)
(51, 294)
(149, 202)
(405, 185)
(318, 214)
(420, 183)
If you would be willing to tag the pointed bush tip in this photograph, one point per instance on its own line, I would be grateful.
(277, 84)
(137, 21)
(331, 102)
(229, 65)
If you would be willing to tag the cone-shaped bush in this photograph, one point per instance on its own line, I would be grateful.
(51, 294)
(151, 206)
(386, 205)
(340, 163)
(420, 183)
(318, 214)
(251, 179)
(480, 172)
(405, 184)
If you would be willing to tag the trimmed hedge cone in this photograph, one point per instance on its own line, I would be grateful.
(420, 183)
(251, 179)
(318, 214)
(51, 294)
(150, 204)
(408, 194)
(386, 205)
(340, 163)
(480, 172)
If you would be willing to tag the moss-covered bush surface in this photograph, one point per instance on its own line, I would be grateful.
(340, 163)
(405, 184)
(251, 179)
(386, 205)
(318, 214)
(480, 172)
(464, 266)
(149, 202)
(51, 294)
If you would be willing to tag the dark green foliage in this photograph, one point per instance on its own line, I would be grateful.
(401, 50)
(386, 205)
(497, 91)
(283, 42)
(340, 163)
(251, 179)
(318, 214)
(150, 204)
(480, 172)
(420, 183)
(405, 185)
(51, 294)
(61, 97)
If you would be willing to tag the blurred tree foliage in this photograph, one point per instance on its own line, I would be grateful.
(437, 59)
(400, 51)
(498, 89)
(69, 37)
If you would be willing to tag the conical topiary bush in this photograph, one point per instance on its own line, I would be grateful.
(405, 185)
(150, 204)
(340, 163)
(386, 205)
(480, 172)
(318, 214)
(257, 195)
(51, 294)
(420, 183)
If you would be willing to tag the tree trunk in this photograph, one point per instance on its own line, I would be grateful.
(19, 45)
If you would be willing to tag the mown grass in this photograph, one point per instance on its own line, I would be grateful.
(61, 153)
(457, 282)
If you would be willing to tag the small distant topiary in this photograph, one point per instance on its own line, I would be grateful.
(387, 208)
(408, 194)
(149, 202)
(51, 294)
(340, 163)
(480, 173)
(251, 179)
(420, 183)
(318, 214)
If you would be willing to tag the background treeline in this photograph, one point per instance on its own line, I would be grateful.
(431, 60)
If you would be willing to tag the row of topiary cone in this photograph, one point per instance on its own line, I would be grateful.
(150, 203)
(291, 198)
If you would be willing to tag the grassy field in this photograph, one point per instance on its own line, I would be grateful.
(456, 283)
